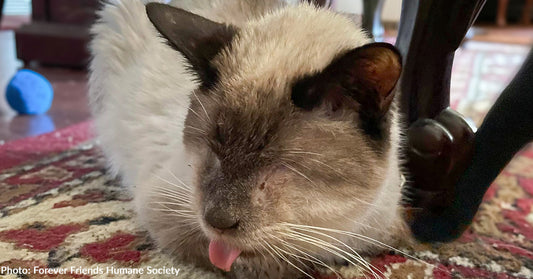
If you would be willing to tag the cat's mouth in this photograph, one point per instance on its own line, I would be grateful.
(223, 255)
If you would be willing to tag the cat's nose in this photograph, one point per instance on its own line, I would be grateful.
(221, 219)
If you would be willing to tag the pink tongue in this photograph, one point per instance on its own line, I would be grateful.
(221, 255)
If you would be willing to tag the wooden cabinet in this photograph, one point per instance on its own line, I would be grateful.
(58, 33)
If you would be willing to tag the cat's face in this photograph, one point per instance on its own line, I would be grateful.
(286, 130)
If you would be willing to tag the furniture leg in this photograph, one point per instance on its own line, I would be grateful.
(440, 141)
(507, 127)
(526, 12)
(372, 17)
(430, 32)
(501, 13)
(1, 10)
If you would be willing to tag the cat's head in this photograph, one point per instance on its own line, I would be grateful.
(291, 129)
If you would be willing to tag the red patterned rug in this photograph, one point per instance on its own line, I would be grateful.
(59, 211)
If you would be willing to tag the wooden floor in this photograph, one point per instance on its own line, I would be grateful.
(70, 97)
(70, 101)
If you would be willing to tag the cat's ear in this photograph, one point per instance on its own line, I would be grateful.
(197, 38)
(366, 75)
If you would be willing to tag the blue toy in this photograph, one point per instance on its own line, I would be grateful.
(29, 93)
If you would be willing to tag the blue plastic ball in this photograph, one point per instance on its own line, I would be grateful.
(29, 93)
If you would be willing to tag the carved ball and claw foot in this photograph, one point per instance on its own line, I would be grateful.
(438, 152)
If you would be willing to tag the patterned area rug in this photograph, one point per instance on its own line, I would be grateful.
(59, 209)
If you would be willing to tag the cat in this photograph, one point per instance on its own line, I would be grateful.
(257, 137)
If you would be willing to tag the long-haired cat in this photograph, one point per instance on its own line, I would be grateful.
(257, 137)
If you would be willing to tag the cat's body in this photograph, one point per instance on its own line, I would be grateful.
(233, 140)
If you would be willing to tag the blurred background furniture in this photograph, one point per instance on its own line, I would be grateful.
(372, 10)
(506, 12)
(501, 14)
(371, 21)
(60, 29)
(1, 9)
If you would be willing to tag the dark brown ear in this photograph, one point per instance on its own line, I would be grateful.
(197, 38)
(366, 75)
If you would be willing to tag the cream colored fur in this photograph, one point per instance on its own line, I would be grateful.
(140, 89)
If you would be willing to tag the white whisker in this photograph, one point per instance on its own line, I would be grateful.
(173, 184)
(332, 249)
(173, 196)
(297, 172)
(288, 261)
(174, 203)
(356, 256)
(304, 152)
(187, 187)
(262, 243)
(202, 105)
(307, 256)
(362, 237)
(173, 213)
(164, 208)
(201, 131)
(332, 168)
(195, 113)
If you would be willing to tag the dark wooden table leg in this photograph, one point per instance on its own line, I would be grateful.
(507, 127)
(440, 141)
(1, 10)
(526, 12)
(430, 32)
(372, 18)
(501, 13)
